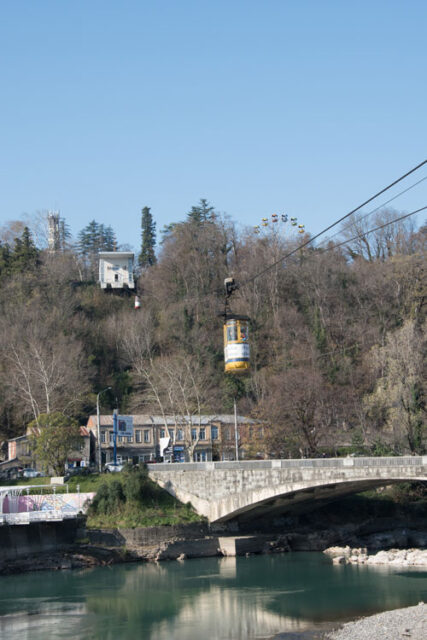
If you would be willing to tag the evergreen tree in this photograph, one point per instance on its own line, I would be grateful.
(147, 257)
(95, 237)
(5, 259)
(108, 240)
(64, 234)
(202, 213)
(25, 254)
(88, 238)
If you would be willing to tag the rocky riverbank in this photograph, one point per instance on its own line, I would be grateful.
(62, 546)
(400, 624)
(393, 557)
(73, 558)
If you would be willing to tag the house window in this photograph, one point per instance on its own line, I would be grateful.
(111, 434)
(138, 436)
(200, 456)
(130, 438)
(162, 433)
(202, 434)
(172, 434)
(116, 277)
(194, 434)
(180, 434)
(120, 438)
(103, 437)
(146, 435)
(214, 433)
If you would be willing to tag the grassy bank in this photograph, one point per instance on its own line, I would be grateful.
(131, 499)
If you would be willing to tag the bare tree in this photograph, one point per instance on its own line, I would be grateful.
(186, 386)
(177, 385)
(44, 369)
(398, 401)
(384, 243)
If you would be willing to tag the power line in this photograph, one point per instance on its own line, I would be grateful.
(217, 291)
(377, 208)
(334, 224)
(335, 246)
(324, 250)
(381, 226)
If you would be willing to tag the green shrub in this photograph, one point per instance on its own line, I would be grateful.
(135, 486)
(109, 498)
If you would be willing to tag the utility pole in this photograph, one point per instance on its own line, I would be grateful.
(98, 434)
(236, 434)
(115, 436)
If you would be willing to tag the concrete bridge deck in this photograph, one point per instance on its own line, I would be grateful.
(223, 491)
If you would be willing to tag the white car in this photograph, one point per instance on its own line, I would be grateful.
(31, 473)
(110, 467)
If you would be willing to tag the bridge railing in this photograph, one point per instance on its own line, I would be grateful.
(331, 463)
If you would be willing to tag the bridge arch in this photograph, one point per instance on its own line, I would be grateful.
(223, 491)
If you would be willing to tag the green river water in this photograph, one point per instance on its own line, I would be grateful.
(287, 595)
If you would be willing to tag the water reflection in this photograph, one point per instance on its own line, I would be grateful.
(214, 598)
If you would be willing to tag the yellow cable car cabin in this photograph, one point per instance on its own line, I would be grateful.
(236, 343)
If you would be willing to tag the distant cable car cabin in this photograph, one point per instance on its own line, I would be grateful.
(236, 335)
(116, 270)
(236, 343)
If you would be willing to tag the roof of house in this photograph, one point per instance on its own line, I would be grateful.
(83, 432)
(116, 254)
(147, 420)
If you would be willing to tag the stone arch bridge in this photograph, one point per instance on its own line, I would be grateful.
(224, 491)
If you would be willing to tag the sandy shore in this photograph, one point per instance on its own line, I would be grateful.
(399, 624)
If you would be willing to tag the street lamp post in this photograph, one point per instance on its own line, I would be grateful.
(236, 431)
(115, 436)
(98, 435)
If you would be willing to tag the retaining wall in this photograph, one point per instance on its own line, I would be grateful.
(17, 541)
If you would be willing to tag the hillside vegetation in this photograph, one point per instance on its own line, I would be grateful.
(338, 334)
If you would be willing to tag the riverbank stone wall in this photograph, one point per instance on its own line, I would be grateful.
(17, 541)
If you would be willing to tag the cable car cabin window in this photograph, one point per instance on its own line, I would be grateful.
(244, 332)
(231, 332)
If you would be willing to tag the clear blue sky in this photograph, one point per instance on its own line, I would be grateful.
(263, 106)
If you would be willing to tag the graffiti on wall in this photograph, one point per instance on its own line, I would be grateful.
(65, 502)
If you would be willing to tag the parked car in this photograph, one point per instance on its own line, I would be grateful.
(10, 474)
(32, 473)
(110, 467)
(77, 471)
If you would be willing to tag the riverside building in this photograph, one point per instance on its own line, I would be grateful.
(199, 438)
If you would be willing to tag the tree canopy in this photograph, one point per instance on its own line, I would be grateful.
(338, 333)
(147, 257)
(52, 438)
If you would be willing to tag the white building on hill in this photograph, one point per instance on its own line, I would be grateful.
(116, 270)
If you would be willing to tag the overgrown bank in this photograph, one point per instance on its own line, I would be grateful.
(130, 499)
